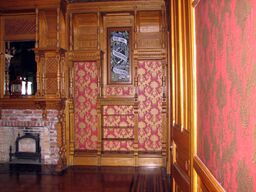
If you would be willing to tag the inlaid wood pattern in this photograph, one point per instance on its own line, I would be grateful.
(20, 25)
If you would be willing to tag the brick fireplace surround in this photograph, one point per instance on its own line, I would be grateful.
(14, 121)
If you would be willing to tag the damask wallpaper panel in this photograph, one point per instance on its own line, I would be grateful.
(226, 84)
(118, 128)
(85, 100)
(124, 146)
(117, 110)
(150, 105)
(113, 90)
(118, 121)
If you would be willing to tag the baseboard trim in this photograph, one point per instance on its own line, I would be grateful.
(206, 177)
(119, 160)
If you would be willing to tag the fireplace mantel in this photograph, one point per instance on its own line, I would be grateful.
(32, 103)
(23, 112)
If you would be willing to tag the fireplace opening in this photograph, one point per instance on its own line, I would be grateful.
(27, 149)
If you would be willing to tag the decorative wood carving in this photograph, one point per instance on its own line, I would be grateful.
(18, 6)
(31, 103)
(149, 33)
(84, 55)
(22, 27)
(62, 161)
(50, 72)
(48, 28)
(85, 28)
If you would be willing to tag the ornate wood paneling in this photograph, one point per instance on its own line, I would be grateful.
(85, 28)
(48, 28)
(22, 27)
(16, 5)
(51, 72)
(182, 94)
(149, 30)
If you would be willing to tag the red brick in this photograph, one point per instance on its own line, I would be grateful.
(27, 111)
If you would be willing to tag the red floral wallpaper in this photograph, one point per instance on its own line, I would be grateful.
(150, 105)
(118, 123)
(118, 145)
(118, 90)
(226, 83)
(85, 99)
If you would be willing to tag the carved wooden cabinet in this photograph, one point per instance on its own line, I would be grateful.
(50, 72)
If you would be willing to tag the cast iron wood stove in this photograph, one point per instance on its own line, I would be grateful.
(27, 149)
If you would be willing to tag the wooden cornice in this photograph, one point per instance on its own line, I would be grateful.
(11, 5)
(147, 54)
(42, 51)
(117, 101)
(84, 55)
(115, 6)
(32, 103)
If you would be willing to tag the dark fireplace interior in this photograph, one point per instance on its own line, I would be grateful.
(27, 149)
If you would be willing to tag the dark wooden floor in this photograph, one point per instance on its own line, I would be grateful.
(84, 179)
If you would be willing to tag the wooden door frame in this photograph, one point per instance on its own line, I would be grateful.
(188, 113)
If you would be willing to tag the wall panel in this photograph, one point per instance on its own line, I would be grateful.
(85, 31)
(85, 99)
(150, 105)
(226, 84)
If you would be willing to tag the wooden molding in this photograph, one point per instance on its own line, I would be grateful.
(84, 55)
(30, 4)
(115, 6)
(206, 177)
(150, 54)
(182, 180)
(117, 159)
(31, 103)
(117, 101)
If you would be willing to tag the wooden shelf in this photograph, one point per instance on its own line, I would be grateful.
(31, 103)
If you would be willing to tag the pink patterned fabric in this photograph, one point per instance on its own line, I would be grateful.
(226, 83)
(85, 99)
(126, 146)
(117, 110)
(119, 120)
(150, 105)
(119, 91)
(123, 133)
(118, 123)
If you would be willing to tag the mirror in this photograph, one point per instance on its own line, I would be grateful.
(20, 68)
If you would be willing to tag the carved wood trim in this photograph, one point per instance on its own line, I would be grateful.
(206, 177)
(117, 101)
(117, 6)
(84, 55)
(117, 159)
(150, 54)
(29, 4)
(31, 103)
